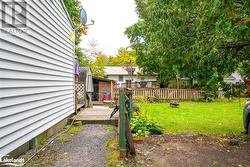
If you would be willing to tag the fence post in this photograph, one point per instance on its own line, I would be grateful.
(130, 105)
(122, 133)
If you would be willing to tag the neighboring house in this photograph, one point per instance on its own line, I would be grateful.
(36, 74)
(124, 79)
(234, 78)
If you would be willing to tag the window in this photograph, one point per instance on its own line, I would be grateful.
(128, 83)
(121, 78)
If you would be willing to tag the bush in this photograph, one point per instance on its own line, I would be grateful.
(141, 126)
(157, 97)
(140, 99)
(204, 99)
(136, 108)
(151, 99)
(154, 99)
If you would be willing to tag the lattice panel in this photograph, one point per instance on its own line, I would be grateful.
(80, 88)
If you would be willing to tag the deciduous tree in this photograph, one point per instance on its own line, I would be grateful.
(123, 58)
(204, 40)
(73, 8)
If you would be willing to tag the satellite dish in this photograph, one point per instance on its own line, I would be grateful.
(83, 17)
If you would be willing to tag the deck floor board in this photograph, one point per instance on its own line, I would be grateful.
(97, 113)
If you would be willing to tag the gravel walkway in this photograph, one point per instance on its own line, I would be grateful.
(87, 148)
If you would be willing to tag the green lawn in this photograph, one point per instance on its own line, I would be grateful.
(221, 117)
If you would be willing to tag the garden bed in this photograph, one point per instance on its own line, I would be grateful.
(192, 150)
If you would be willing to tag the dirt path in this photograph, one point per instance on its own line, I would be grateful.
(85, 149)
(192, 151)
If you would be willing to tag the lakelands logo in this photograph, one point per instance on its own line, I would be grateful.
(8, 161)
(14, 14)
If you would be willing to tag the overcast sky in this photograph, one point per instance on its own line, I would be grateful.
(111, 18)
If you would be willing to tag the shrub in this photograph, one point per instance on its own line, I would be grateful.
(204, 99)
(157, 97)
(142, 126)
(140, 99)
(136, 108)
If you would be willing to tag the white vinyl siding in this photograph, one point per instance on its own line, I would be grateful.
(36, 74)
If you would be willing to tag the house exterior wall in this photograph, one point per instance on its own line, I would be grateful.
(135, 78)
(36, 74)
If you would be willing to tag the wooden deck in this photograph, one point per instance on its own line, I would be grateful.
(97, 114)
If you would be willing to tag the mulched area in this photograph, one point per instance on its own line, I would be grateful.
(192, 151)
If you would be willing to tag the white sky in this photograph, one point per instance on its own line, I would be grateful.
(111, 18)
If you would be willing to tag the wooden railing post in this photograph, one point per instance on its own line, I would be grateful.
(122, 128)
(130, 106)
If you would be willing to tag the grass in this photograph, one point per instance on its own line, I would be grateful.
(73, 130)
(111, 129)
(113, 155)
(219, 117)
(113, 158)
(63, 138)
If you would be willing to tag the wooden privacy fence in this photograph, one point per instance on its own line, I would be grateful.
(166, 93)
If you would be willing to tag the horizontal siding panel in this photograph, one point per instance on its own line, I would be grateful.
(12, 49)
(12, 145)
(37, 43)
(7, 130)
(53, 13)
(10, 65)
(15, 136)
(15, 74)
(37, 32)
(17, 109)
(34, 16)
(36, 74)
(35, 48)
(61, 10)
(17, 58)
(34, 111)
(12, 83)
(50, 27)
(27, 99)
(41, 8)
(31, 91)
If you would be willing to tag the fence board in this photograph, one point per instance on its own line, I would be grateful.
(166, 93)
